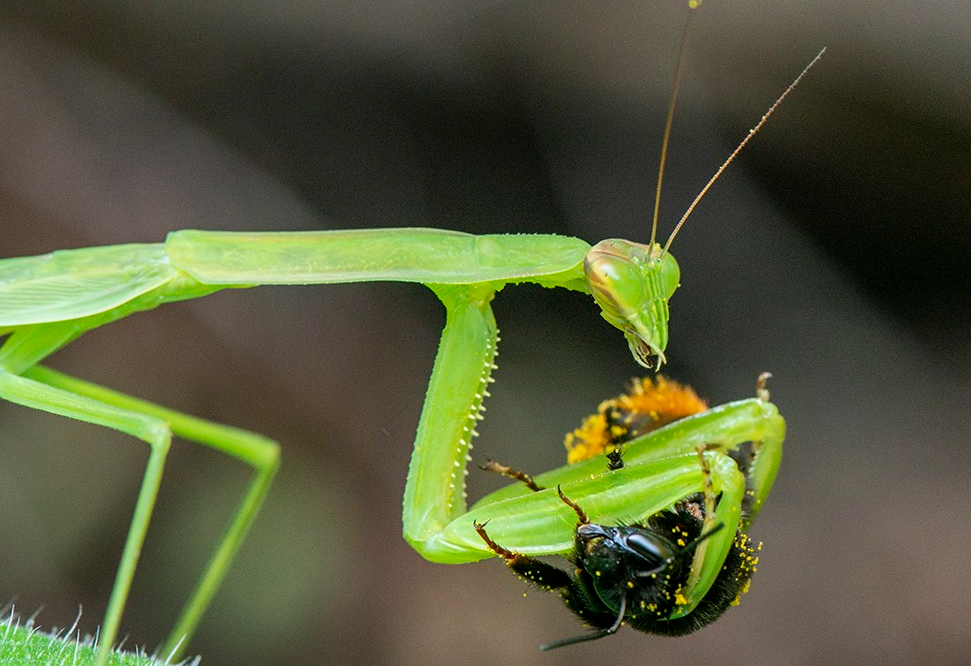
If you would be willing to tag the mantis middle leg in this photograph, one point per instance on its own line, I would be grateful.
(56, 393)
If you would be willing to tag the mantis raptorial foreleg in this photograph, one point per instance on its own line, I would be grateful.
(435, 488)
(637, 571)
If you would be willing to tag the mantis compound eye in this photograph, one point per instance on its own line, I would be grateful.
(614, 271)
(632, 283)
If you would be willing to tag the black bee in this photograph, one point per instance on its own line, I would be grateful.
(635, 574)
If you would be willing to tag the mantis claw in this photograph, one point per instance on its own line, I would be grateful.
(761, 392)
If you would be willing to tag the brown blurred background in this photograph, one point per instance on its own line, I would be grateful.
(834, 253)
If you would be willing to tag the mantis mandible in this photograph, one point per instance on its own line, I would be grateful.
(47, 302)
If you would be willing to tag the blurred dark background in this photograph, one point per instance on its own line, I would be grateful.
(833, 253)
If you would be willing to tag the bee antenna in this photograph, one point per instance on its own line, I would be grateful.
(701, 537)
(593, 635)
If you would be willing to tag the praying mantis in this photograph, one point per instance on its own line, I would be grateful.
(47, 302)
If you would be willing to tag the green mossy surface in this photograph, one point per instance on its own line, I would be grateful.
(22, 643)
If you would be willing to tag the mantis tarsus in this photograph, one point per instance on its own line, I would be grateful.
(48, 301)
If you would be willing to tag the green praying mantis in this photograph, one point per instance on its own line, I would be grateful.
(47, 302)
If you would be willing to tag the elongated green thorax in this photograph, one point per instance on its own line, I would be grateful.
(632, 283)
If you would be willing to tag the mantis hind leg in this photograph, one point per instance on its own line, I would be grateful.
(130, 415)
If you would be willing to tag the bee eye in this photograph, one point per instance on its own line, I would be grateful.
(652, 550)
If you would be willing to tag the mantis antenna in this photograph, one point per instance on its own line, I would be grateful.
(737, 150)
(670, 119)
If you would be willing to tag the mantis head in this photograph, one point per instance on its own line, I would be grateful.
(632, 283)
